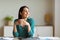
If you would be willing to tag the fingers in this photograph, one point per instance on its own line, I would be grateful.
(20, 20)
(16, 23)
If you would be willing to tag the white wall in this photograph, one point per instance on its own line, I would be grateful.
(37, 9)
(57, 18)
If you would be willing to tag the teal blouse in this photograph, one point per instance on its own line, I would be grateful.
(23, 31)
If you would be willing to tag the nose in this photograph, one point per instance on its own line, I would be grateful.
(26, 13)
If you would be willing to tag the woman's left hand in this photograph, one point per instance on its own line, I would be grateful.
(26, 23)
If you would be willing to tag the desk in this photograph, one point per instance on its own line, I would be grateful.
(34, 38)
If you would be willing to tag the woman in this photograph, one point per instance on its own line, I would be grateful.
(23, 26)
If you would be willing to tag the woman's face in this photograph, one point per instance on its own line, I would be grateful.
(25, 13)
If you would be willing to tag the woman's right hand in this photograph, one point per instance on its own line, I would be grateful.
(19, 22)
(16, 23)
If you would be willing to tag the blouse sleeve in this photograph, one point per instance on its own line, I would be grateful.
(15, 34)
(31, 21)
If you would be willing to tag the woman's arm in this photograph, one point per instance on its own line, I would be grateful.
(32, 24)
(15, 33)
(30, 28)
(14, 29)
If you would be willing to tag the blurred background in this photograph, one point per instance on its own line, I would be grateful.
(45, 13)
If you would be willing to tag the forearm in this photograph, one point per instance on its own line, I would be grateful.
(29, 28)
(30, 31)
(15, 33)
(15, 30)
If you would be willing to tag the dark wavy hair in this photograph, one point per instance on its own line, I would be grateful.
(20, 11)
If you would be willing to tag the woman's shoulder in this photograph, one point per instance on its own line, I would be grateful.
(15, 20)
(30, 19)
